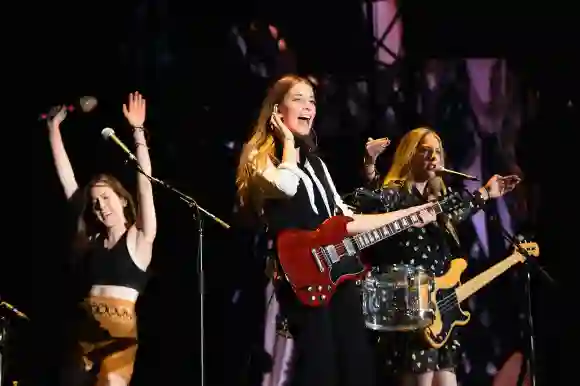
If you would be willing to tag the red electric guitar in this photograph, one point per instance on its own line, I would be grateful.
(316, 262)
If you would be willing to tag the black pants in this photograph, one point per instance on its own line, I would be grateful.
(331, 345)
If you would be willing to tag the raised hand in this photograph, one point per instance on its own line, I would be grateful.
(58, 115)
(280, 129)
(375, 147)
(135, 110)
(497, 185)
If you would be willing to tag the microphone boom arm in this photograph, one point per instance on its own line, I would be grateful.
(183, 197)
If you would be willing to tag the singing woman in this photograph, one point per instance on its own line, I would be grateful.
(288, 186)
(114, 240)
(412, 180)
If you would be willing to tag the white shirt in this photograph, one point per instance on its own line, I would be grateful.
(282, 182)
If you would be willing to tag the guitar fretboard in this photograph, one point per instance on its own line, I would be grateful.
(366, 239)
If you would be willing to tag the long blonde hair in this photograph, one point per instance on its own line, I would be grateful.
(401, 167)
(261, 146)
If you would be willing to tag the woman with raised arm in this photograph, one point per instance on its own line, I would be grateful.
(115, 241)
(281, 180)
(412, 180)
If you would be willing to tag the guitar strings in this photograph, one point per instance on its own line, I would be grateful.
(444, 305)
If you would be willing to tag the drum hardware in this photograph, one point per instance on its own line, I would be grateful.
(282, 327)
(398, 299)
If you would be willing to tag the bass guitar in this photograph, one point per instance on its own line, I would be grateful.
(316, 262)
(448, 293)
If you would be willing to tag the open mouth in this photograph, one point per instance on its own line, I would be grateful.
(305, 118)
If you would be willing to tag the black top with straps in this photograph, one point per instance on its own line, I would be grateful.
(114, 266)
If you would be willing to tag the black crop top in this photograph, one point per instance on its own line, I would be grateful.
(114, 266)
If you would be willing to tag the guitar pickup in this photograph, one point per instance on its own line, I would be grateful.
(331, 254)
(349, 246)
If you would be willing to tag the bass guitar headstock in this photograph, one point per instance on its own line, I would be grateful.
(531, 249)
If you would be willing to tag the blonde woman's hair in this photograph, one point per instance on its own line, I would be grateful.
(401, 167)
(261, 146)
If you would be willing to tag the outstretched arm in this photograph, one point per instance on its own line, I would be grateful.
(62, 163)
(496, 187)
(134, 111)
(366, 222)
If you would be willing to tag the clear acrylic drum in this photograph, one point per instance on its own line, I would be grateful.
(398, 299)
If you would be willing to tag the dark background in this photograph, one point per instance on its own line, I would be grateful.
(201, 95)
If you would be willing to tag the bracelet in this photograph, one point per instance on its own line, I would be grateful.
(479, 200)
(487, 192)
(140, 128)
(141, 144)
(372, 172)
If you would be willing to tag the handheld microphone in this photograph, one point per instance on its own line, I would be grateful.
(85, 104)
(108, 133)
(458, 174)
(10, 307)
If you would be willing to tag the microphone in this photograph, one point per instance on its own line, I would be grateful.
(458, 174)
(17, 312)
(85, 104)
(109, 133)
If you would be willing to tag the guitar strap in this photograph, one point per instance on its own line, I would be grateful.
(435, 189)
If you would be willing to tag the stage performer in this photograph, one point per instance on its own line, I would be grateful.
(281, 179)
(414, 179)
(113, 245)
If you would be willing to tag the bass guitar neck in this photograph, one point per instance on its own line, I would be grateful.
(449, 293)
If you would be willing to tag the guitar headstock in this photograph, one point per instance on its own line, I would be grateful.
(450, 202)
(532, 249)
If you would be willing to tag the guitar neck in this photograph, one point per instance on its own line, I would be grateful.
(366, 239)
(478, 282)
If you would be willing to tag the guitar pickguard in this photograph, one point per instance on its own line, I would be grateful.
(448, 314)
(348, 265)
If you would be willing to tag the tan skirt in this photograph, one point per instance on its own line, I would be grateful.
(109, 340)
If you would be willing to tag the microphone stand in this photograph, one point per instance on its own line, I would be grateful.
(3, 337)
(531, 349)
(199, 215)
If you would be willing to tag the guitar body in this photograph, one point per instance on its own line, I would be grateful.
(313, 280)
(448, 312)
(449, 292)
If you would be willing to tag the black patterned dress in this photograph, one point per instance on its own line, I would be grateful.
(431, 248)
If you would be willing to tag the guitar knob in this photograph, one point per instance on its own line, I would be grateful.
(329, 288)
(313, 299)
(323, 297)
(310, 289)
(319, 288)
